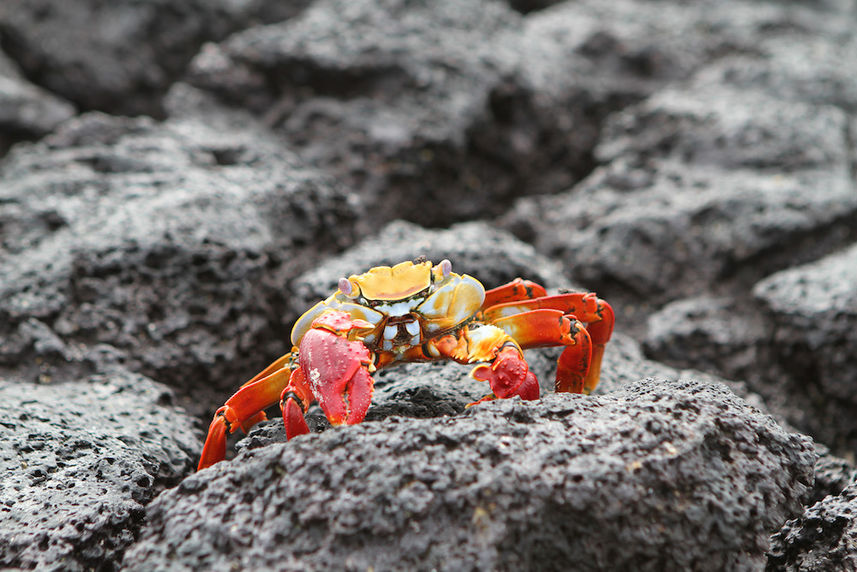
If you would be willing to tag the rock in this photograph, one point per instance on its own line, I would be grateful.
(823, 538)
(813, 309)
(832, 475)
(80, 460)
(26, 110)
(448, 111)
(709, 333)
(169, 242)
(566, 482)
(659, 232)
(120, 56)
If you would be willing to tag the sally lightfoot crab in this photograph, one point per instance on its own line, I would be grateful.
(416, 311)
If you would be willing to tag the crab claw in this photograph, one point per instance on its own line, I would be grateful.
(337, 370)
(508, 375)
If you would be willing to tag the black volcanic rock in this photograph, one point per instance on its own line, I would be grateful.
(26, 111)
(446, 111)
(813, 312)
(120, 56)
(80, 460)
(169, 242)
(823, 538)
(657, 475)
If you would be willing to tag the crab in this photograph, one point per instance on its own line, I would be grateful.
(417, 311)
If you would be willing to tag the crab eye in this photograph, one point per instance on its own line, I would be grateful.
(445, 267)
(346, 287)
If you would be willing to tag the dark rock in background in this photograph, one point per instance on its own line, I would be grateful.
(80, 460)
(511, 485)
(26, 111)
(813, 312)
(120, 56)
(168, 242)
(448, 110)
(694, 163)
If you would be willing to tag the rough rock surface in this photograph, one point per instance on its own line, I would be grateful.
(443, 111)
(813, 309)
(823, 538)
(509, 485)
(162, 243)
(120, 56)
(26, 111)
(694, 163)
(80, 460)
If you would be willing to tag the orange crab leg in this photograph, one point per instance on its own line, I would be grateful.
(517, 289)
(586, 307)
(550, 327)
(278, 363)
(242, 410)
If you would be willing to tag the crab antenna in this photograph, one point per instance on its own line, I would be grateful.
(345, 286)
(446, 267)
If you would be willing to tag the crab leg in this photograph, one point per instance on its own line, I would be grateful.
(517, 289)
(242, 410)
(586, 307)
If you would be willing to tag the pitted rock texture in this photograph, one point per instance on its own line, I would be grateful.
(80, 460)
(167, 242)
(694, 163)
(444, 111)
(813, 309)
(823, 538)
(510, 485)
(120, 56)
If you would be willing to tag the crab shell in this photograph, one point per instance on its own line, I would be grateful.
(428, 300)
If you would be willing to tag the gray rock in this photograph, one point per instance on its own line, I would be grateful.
(832, 475)
(170, 242)
(26, 110)
(822, 538)
(658, 475)
(813, 309)
(80, 460)
(120, 56)
(449, 110)
(660, 231)
(709, 333)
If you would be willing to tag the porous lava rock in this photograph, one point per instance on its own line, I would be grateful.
(813, 312)
(80, 460)
(120, 56)
(822, 538)
(656, 475)
(170, 243)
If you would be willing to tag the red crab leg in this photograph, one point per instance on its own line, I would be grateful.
(586, 307)
(517, 289)
(549, 327)
(239, 410)
(294, 403)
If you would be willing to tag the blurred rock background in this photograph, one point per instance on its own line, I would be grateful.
(180, 180)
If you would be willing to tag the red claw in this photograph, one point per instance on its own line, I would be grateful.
(509, 375)
(337, 370)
